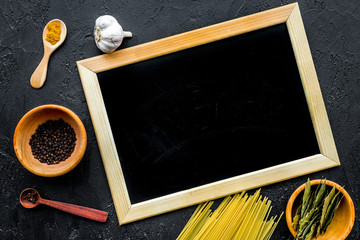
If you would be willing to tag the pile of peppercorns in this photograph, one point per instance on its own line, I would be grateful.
(53, 141)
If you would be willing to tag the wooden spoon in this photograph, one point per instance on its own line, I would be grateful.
(38, 77)
(30, 198)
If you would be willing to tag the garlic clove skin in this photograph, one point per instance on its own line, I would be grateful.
(108, 33)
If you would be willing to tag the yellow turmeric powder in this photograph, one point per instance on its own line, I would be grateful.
(53, 34)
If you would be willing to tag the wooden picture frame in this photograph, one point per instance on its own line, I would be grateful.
(89, 68)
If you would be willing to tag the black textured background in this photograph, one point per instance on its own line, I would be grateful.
(333, 32)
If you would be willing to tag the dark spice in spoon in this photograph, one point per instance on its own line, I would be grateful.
(53, 141)
(31, 196)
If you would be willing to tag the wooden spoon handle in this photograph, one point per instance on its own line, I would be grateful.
(39, 76)
(85, 212)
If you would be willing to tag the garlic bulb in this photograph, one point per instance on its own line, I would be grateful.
(108, 33)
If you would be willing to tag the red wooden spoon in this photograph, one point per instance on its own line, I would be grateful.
(30, 198)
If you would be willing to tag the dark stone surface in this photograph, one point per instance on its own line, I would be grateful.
(333, 32)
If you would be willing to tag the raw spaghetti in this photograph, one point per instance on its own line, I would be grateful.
(237, 217)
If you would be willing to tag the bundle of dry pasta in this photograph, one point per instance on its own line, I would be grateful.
(237, 217)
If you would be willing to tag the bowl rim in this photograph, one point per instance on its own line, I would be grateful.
(81, 150)
(296, 193)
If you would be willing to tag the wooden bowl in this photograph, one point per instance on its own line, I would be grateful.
(27, 127)
(341, 225)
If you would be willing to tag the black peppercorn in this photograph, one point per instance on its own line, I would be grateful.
(53, 141)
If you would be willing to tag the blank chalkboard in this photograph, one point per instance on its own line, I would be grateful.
(207, 113)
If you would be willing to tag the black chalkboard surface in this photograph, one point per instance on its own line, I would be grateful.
(208, 113)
